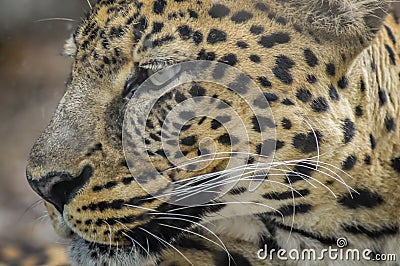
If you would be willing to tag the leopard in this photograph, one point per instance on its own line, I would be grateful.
(285, 139)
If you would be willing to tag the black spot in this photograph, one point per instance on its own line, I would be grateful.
(264, 81)
(197, 90)
(333, 93)
(331, 69)
(219, 121)
(106, 60)
(286, 123)
(155, 137)
(159, 6)
(381, 231)
(307, 143)
(163, 40)
(256, 30)
(390, 124)
(373, 141)
(157, 27)
(266, 148)
(262, 7)
(219, 11)
(362, 85)
(311, 79)
(396, 164)
(204, 55)
(349, 130)
(320, 105)
(390, 34)
(271, 97)
(289, 210)
(261, 101)
(286, 195)
(255, 58)
(373, 66)
(221, 258)
(219, 71)
(242, 44)
(225, 139)
(364, 198)
(185, 32)
(349, 163)
(237, 190)
(97, 188)
(281, 20)
(216, 36)
(359, 111)
(269, 41)
(241, 16)
(367, 160)
(287, 102)
(179, 97)
(229, 59)
(301, 171)
(392, 55)
(193, 14)
(382, 96)
(281, 70)
(162, 153)
(197, 37)
(261, 123)
(343, 82)
(189, 141)
(279, 144)
(110, 184)
(127, 180)
(311, 58)
(303, 95)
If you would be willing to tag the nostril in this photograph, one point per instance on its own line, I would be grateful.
(60, 188)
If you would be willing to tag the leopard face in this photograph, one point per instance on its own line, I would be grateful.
(327, 142)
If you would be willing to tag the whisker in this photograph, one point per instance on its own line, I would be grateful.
(110, 245)
(139, 207)
(230, 202)
(89, 4)
(201, 226)
(316, 139)
(55, 19)
(199, 235)
(165, 242)
(134, 241)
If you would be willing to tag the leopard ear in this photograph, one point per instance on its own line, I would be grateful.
(346, 19)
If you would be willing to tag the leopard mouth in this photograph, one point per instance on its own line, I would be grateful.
(147, 241)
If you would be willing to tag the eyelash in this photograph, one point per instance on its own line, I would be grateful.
(157, 78)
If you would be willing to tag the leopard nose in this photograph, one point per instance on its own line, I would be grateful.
(59, 188)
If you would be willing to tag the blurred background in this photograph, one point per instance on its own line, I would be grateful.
(32, 76)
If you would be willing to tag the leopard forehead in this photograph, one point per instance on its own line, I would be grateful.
(155, 34)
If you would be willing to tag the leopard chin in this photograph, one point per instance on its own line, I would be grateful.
(82, 252)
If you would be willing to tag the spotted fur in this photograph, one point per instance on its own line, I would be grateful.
(329, 71)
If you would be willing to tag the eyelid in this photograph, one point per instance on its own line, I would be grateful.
(134, 82)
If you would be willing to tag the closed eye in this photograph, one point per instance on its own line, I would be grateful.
(158, 78)
(133, 83)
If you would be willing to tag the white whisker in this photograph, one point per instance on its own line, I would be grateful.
(165, 242)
